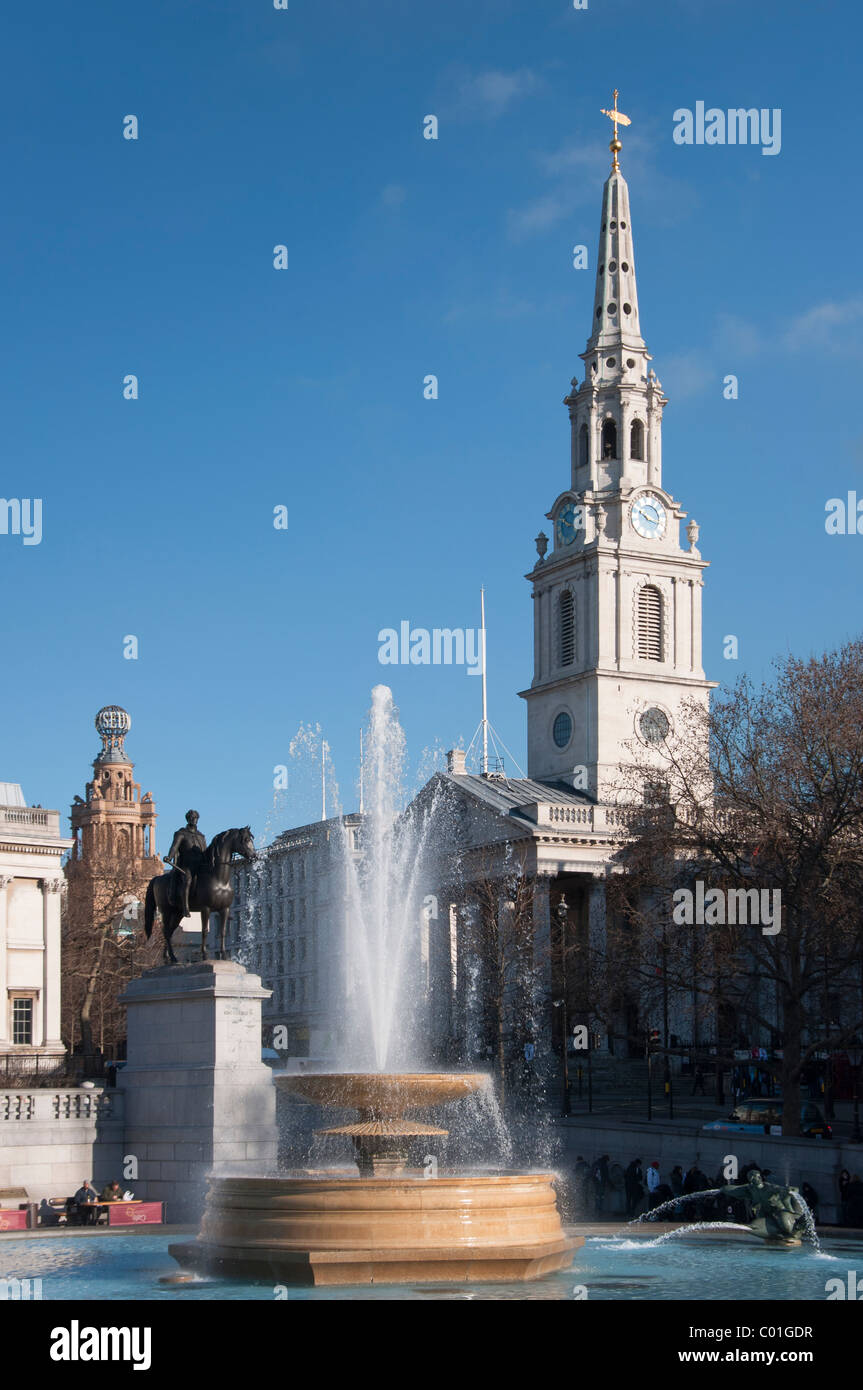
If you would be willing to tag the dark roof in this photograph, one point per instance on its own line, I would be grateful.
(507, 794)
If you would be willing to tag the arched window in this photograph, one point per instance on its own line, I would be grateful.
(582, 447)
(636, 440)
(649, 624)
(567, 628)
(609, 439)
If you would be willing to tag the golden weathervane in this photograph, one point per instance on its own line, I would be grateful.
(619, 119)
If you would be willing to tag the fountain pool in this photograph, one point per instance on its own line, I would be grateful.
(606, 1268)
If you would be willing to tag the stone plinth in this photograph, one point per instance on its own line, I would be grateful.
(199, 1100)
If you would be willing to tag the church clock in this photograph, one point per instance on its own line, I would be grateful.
(648, 516)
(568, 523)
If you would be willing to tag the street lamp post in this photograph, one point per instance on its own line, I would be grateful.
(562, 917)
(565, 1110)
(855, 1053)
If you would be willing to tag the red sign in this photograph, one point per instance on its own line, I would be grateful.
(12, 1220)
(136, 1213)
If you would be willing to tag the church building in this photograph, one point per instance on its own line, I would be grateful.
(617, 651)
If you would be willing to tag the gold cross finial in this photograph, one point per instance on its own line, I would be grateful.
(619, 119)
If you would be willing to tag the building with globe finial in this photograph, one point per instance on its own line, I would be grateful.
(113, 858)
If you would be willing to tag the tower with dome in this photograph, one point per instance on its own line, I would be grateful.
(113, 858)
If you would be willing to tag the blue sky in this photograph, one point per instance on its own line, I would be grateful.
(304, 387)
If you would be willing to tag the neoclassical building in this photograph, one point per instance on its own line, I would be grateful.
(31, 879)
(288, 924)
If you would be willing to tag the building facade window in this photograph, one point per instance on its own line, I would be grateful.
(636, 440)
(562, 731)
(566, 616)
(609, 439)
(649, 641)
(22, 1019)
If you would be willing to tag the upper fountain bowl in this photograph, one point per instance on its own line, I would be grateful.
(384, 1095)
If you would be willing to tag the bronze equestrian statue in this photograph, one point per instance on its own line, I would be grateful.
(186, 854)
(199, 882)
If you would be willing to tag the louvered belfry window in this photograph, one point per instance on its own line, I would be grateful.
(650, 624)
(567, 629)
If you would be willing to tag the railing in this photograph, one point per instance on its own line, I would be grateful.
(574, 815)
(24, 817)
(34, 1069)
(89, 1106)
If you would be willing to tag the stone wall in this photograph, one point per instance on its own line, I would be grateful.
(50, 1140)
(792, 1161)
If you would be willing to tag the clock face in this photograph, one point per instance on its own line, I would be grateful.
(654, 726)
(648, 516)
(569, 523)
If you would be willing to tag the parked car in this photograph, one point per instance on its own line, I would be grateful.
(760, 1116)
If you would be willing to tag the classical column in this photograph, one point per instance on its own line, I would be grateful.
(542, 955)
(597, 937)
(537, 633)
(5, 880)
(695, 590)
(51, 964)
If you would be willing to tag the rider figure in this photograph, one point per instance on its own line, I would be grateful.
(186, 855)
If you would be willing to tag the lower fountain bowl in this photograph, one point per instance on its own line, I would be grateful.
(309, 1230)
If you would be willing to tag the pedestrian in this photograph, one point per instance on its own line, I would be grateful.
(810, 1197)
(844, 1183)
(854, 1201)
(676, 1180)
(633, 1181)
(582, 1175)
(698, 1082)
(85, 1201)
(600, 1180)
(653, 1183)
(695, 1181)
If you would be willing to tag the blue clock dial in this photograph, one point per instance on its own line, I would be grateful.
(568, 523)
(648, 516)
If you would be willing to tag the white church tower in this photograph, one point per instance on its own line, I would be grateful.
(617, 601)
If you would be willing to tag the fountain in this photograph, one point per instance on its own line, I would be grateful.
(392, 1222)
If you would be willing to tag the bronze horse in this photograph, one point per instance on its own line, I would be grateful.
(211, 892)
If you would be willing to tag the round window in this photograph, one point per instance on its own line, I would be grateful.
(654, 725)
(562, 731)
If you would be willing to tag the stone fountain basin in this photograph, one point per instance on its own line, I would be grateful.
(386, 1095)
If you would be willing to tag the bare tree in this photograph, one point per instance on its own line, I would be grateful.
(764, 796)
(103, 948)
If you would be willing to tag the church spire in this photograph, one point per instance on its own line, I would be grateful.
(615, 328)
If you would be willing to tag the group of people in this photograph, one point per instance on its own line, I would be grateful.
(645, 1190)
(83, 1208)
(850, 1199)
